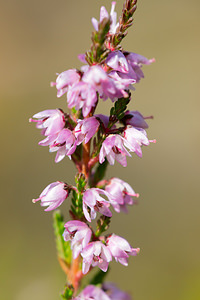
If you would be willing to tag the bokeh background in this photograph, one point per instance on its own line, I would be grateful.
(40, 38)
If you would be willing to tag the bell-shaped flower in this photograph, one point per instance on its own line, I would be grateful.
(82, 95)
(95, 254)
(113, 148)
(64, 80)
(115, 293)
(103, 84)
(117, 61)
(51, 121)
(135, 62)
(53, 195)
(120, 249)
(86, 129)
(93, 203)
(79, 234)
(92, 292)
(121, 193)
(135, 138)
(123, 81)
(64, 144)
(135, 119)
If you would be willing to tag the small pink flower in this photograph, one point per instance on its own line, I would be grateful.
(113, 148)
(51, 121)
(115, 293)
(96, 254)
(104, 119)
(135, 62)
(95, 203)
(92, 292)
(104, 14)
(123, 81)
(117, 61)
(120, 249)
(86, 129)
(64, 144)
(83, 96)
(121, 193)
(64, 80)
(103, 84)
(135, 138)
(53, 195)
(79, 234)
(136, 119)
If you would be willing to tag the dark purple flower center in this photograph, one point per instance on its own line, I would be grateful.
(116, 150)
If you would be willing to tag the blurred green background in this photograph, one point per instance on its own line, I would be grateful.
(40, 38)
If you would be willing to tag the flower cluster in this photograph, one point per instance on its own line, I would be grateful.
(92, 141)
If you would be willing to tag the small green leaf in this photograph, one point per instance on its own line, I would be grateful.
(67, 293)
(102, 225)
(63, 247)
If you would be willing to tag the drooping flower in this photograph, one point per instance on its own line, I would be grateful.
(96, 254)
(79, 234)
(120, 249)
(64, 144)
(93, 203)
(117, 61)
(53, 195)
(135, 119)
(92, 292)
(103, 84)
(135, 62)
(82, 95)
(122, 194)
(135, 138)
(113, 148)
(86, 129)
(51, 121)
(114, 292)
(65, 80)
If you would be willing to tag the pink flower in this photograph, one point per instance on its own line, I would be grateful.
(135, 62)
(117, 61)
(64, 144)
(123, 81)
(53, 195)
(86, 129)
(112, 148)
(79, 234)
(66, 79)
(96, 254)
(115, 293)
(104, 119)
(82, 95)
(95, 203)
(51, 121)
(103, 84)
(120, 249)
(135, 138)
(92, 292)
(121, 193)
(135, 119)
(104, 14)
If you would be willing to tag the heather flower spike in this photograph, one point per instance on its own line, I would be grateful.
(93, 141)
